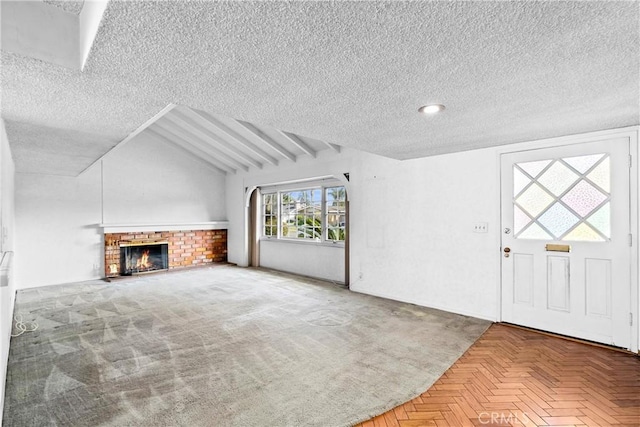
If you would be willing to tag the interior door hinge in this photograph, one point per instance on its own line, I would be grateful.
(630, 319)
(630, 239)
(630, 161)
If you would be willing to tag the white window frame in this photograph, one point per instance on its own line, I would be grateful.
(323, 215)
(275, 214)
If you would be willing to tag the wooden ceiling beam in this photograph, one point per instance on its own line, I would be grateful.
(200, 127)
(199, 157)
(185, 132)
(298, 142)
(334, 147)
(216, 124)
(180, 136)
(270, 142)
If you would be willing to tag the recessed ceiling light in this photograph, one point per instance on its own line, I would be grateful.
(431, 108)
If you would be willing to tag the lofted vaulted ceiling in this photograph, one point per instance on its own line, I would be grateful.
(230, 145)
(328, 74)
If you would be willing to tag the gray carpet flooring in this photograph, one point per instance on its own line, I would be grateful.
(222, 346)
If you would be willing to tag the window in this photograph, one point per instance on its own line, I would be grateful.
(311, 214)
(563, 199)
(336, 213)
(270, 210)
(301, 214)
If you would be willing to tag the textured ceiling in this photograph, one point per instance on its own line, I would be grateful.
(71, 6)
(347, 73)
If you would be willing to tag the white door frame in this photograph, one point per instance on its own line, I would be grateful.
(632, 133)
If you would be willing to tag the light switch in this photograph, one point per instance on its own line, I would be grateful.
(480, 227)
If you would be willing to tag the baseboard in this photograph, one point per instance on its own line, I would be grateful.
(323, 279)
(426, 304)
(88, 279)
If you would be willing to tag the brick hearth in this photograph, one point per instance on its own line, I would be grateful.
(187, 248)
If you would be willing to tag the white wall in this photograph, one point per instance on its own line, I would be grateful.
(56, 221)
(411, 224)
(57, 217)
(7, 199)
(7, 215)
(150, 182)
(412, 233)
(304, 258)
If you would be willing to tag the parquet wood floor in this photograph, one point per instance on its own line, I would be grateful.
(516, 377)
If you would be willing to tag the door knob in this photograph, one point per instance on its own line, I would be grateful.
(506, 252)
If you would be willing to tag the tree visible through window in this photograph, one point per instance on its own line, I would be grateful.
(270, 210)
(301, 214)
(336, 213)
(317, 214)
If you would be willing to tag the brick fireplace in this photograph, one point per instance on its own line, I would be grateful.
(186, 248)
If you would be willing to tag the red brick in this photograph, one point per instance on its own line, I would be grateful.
(186, 247)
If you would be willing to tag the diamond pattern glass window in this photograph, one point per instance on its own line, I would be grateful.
(563, 199)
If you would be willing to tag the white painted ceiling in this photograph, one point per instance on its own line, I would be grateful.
(346, 73)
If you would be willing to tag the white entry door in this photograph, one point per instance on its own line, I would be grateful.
(565, 240)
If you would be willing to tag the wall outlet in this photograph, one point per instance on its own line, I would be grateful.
(480, 227)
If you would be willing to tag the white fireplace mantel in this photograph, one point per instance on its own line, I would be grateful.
(174, 226)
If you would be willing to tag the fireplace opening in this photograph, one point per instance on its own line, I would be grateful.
(138, 258)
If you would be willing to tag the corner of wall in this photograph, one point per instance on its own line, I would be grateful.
(7, 285)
